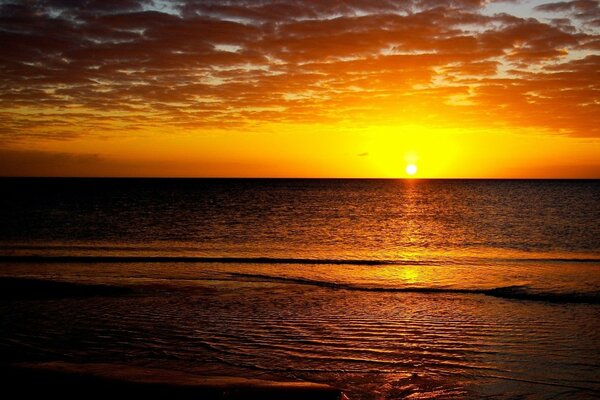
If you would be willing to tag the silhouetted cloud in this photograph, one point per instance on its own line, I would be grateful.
(27, 163)
(32, 163)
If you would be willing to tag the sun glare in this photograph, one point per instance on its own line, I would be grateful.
(411, 169)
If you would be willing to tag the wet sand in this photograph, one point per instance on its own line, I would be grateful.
(12, 288)
(101, 381)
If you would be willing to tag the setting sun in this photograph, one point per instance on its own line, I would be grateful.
(411, 169)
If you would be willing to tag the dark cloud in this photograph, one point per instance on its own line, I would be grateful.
(19, 163)
(586, 10)
(38, 163)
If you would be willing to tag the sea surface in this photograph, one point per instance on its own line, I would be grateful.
(387, 289)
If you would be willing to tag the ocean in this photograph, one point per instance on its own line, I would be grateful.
(463, 289)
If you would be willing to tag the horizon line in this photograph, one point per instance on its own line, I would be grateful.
(299, 178)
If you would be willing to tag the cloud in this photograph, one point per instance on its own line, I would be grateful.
(587, 11)
(32, 163)
(38, 163)
(107, 67)
(583, 8)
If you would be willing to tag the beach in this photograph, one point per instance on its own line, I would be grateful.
(258, 297)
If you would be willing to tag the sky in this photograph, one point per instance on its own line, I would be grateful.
(282, 88)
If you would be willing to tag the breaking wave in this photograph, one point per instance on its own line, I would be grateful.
(515, 292)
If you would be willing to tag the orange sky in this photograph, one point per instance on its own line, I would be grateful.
(356, 88)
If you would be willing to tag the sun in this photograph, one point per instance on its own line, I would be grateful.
(411, 169)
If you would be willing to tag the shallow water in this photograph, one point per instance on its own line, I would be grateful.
(425, 289)
(371, 344)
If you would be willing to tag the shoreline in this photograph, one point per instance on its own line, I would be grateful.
(99, 381)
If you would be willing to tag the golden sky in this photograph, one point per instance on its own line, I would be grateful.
(282, 88)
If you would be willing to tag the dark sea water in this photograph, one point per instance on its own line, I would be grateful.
(386, 289)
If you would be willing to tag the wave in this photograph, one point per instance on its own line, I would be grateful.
(515, 292)
(194, 259)
(261, 260)
(549, 259)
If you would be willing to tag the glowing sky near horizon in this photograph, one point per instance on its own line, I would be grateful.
(356, 88)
